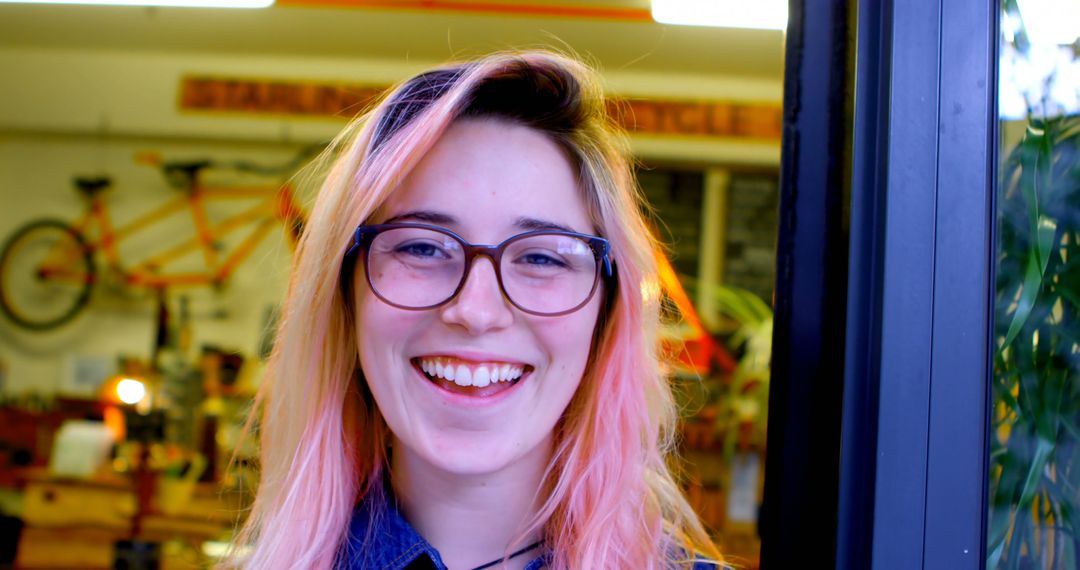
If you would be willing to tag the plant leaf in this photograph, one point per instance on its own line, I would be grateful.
(1069, 294)
(1043, 449)
(1070, 427)
(999, 530)
(1032, 280)
(1046, 231)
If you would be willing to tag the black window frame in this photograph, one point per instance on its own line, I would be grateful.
(799, 516)
(901, 481)
(916, 409)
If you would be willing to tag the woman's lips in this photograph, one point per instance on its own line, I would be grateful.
(470, 378)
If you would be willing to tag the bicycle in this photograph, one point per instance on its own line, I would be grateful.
(49, 267)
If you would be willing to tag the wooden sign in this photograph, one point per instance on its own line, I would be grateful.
(313, 99)
(275, 97)
(710, 119)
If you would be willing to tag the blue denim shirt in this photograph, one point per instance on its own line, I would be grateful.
(393, 544)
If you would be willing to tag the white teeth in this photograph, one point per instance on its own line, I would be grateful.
(463, 376)
(479, 376)
(482, 377)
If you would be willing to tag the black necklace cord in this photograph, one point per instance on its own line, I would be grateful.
(532, 546)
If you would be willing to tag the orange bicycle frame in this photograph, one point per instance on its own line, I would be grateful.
(278, 205)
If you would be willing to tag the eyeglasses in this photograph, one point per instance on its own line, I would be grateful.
(420, 266)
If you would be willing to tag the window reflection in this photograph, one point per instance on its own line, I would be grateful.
(1035, 441)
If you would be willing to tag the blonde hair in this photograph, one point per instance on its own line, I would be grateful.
(610, 500)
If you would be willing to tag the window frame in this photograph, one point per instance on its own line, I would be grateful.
(799, 514)
(913, 487)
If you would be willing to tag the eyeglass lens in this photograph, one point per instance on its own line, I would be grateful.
(543, 273)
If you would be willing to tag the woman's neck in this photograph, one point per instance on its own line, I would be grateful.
(470, 519)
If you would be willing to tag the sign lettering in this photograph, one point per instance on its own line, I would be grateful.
(312, 99)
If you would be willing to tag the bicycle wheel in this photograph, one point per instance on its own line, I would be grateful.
(46, 274)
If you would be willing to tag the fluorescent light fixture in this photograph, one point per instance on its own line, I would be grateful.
(1049, 21)
(170, 3)
(755, 14)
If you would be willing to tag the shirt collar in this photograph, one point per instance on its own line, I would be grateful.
(381, 539)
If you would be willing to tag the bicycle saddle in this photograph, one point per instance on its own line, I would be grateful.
(189, 168)
(182, 175)
(91, 185)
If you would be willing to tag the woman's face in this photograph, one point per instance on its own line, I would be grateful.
(486, 180)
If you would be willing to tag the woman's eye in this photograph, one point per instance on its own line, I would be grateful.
(539, 259)
(421, 250)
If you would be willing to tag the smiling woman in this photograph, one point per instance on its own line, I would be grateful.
(467, 373)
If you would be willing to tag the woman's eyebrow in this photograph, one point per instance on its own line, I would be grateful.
(527, 223)
(438, 218)
(427, 216)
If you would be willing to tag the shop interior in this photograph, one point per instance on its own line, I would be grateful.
(166, 147)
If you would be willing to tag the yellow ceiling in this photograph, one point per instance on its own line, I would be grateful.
(613, 33)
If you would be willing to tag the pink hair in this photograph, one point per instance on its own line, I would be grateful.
(610, 500)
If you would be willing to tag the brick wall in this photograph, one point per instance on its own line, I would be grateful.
(676, 196)
(751, 221)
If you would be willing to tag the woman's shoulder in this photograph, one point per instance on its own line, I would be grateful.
(702, 563)
(680, 557)
(694, 562)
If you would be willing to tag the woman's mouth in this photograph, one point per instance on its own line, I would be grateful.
(470, 378)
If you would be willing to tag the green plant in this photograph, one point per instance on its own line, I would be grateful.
(743, 403)
(1035, 442)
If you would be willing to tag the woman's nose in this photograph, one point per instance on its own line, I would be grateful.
(480, 305)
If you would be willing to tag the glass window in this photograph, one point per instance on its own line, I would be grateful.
(1034, 507)
(718, 226)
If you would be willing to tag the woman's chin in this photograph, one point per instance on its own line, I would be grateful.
(468, 459)
(475, 453)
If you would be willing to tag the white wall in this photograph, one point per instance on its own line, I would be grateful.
(35, 182)
(66, 113)
(136, 93)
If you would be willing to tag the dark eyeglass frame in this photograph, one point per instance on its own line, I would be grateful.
(365, 235)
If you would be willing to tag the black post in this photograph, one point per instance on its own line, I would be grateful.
(798, 522)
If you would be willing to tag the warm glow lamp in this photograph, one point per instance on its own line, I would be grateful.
(130, 391)
(758, 14)
(125, 389)
(168, 3)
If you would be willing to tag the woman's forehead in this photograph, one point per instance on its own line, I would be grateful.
(492, 173)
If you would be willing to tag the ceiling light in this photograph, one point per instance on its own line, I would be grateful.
(170, 3)
(759, 14)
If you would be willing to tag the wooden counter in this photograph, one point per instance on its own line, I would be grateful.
(74, 523)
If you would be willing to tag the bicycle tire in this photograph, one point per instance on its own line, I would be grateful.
(14, 264)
